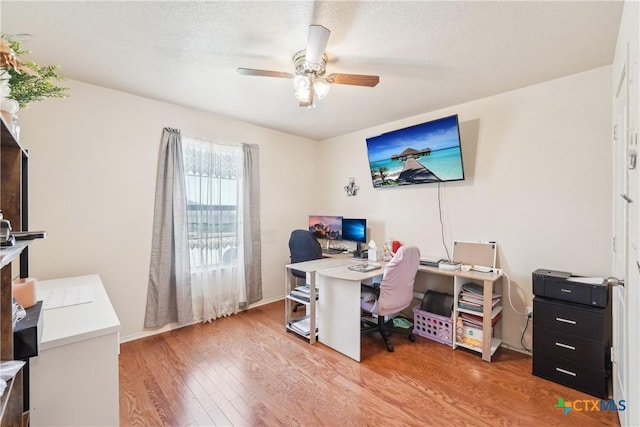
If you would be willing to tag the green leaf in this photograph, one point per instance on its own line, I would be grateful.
(35, 86)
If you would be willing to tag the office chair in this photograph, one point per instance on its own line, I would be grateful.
(392, 295)
(303, 246)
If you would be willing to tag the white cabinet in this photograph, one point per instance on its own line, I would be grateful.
(74, 379)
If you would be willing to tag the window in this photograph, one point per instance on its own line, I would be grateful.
(206, 224)
(213, 180)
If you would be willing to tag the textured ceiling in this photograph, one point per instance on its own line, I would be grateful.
(429, 55)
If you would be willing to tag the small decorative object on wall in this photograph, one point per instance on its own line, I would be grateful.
(351, 188)
(27, 81)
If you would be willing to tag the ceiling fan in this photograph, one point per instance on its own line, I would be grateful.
(310, 80)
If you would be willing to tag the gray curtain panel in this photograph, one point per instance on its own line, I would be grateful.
(169, 292)
(251, 222)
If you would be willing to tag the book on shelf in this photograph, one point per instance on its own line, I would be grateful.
(472, 297)
(472, 320)
(306, 288)
(474, 300)
(301, 296)
(474, 306)
(302, 325)
(476, 289)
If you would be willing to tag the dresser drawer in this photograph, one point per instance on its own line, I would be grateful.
(571, 373)
(586, 351)
(582, 321)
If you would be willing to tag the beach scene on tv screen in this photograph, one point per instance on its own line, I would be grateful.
(428, 152)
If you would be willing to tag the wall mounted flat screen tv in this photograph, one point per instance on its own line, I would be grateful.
(326, 227)
(419, 154)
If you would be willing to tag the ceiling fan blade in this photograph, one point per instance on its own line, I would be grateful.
(264, 73)
(316, 43)
(353, 79)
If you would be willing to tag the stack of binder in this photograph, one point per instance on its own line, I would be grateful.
(471, 298)
(302, 293)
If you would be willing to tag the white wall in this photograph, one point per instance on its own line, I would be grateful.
(538, 182)
(537, 165)
(93, 159)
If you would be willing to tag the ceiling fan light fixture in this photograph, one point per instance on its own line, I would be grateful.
(303, 95)
(301, 83)
(302, 87)
(321, 88)
(310, 81)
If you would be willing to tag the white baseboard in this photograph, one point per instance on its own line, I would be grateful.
(172, 326)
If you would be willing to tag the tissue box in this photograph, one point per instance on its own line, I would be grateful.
(375, 255)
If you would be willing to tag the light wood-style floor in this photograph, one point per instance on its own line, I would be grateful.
(245, 370)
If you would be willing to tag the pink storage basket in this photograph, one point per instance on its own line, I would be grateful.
(432, 326)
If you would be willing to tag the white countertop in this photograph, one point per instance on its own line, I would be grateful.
(74, 323)
(320, 264)
(343, 272)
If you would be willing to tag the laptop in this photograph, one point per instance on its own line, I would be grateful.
(477, 254)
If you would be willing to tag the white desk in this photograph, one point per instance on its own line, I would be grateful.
(310, 268)
(74, 379)
(339, 308)
(339, 302)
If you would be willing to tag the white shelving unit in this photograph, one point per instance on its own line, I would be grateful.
(488, 314)
(310, 268)
(302, 324)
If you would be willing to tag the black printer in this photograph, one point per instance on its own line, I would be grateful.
(561, 285)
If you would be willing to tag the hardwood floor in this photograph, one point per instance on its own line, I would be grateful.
(245, 370)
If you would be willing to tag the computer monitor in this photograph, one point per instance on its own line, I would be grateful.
(326, 226)
(355, 230)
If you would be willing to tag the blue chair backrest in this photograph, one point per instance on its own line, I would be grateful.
(303, 246)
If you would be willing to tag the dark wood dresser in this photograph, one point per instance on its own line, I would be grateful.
(571, 344)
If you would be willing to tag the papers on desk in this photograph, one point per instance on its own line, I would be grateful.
(63, 297)
(302, 325)
(431, 261)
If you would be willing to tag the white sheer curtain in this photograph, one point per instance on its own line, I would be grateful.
(214, 187)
